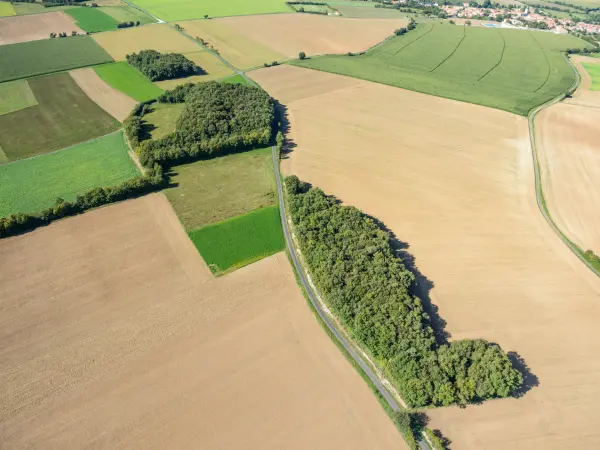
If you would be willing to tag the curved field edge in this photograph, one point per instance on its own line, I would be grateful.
(592, 263)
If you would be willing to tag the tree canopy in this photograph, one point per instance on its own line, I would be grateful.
(162, 66)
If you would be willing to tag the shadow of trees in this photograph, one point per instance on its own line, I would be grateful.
(530, 380)
(283, 118)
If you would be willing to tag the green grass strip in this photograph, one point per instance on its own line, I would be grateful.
(594, 71)
(128, 80)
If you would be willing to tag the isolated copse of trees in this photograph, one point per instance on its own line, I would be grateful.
(217, 118)
(162, 66)
(367, 287)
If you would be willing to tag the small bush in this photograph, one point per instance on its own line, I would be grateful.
(302, 55)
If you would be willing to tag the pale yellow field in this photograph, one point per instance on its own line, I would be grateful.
(455, 182)
(212, 65)
(109, 99)
(250, 41)
(113, 334)
(34, 27)
(568, 142)
(158, 37)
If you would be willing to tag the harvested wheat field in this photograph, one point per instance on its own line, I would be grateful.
(34, 27)
(455, 182)
(567, 137)
(109, 99)
(115, 335)
(250, 41)
(158, 37)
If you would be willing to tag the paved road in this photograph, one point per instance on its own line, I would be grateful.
(313, 300)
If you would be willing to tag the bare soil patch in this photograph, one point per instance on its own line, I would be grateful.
(109, 99)
(115, 335)
(454, 182)
(249, 41)
(158, 37)
(34, 27)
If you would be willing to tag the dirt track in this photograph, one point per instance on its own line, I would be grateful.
(249, 41)
(568, 138)
(109, 99)
(34, 27)
(114, 335)
(455, 182)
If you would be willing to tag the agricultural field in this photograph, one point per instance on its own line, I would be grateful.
(34, 184)
(567, 139)
(160, 351)
(16, 29)
(63, 116)
(159, 37)
(161, 121)
(211, 191)
(506, 69)
(130, 81)
(313, 9)
(127, 14)
(365, 10)
(251, 41)
(92, 20)
(235, 79)
(191, 9)
(29, 59)
(108, 98)
(6, 9)
(15, 96)
(240, 241)
(461, 180)
(212, 67)
(593, 69)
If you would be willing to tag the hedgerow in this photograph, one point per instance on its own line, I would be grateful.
(217, 118)
(368, 288)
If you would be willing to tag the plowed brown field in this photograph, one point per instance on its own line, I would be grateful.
(568, 142)
(113, 334)
(34, 27)
(455, 182)
(109, 99)
(249, 41)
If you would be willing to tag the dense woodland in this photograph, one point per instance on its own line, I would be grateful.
(162, 66)
(217, 118)
(368, 289)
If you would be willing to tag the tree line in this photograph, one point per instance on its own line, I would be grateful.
(162, 66)
(368, 288)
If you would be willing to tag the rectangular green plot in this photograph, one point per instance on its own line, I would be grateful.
(240, 241)
(523, 62)
(171, 10)
(6, 9)
(479, 53)
(594, 71)
(15, 95)
(127, 14)
(92, 20)
(32, 185)
(63, 116)
(235, 79)
(129, 80)
(28, 59)
(432, 49)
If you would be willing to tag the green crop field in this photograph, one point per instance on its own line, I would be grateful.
(235, 79)
(365, 10)
(28, 59)
(64, 116)
(507, 69)
(170, 10)
(92, 20)
(210, 191)
(242, 240)
(15, 95)
(127, 14)
(161, 121)
(34, 184)
(6, 9)
(594, 71)
(128, 80)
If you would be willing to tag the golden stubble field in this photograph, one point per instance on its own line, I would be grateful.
(34, 27)
(568, 142)
(455, 182)
(108, 98)
(250, 41)
(113, 334)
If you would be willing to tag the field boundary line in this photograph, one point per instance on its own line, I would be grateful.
(453, 51)
(64, 149)
(539, 194)
(415, 40)
(547, 62)
(499, 61)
